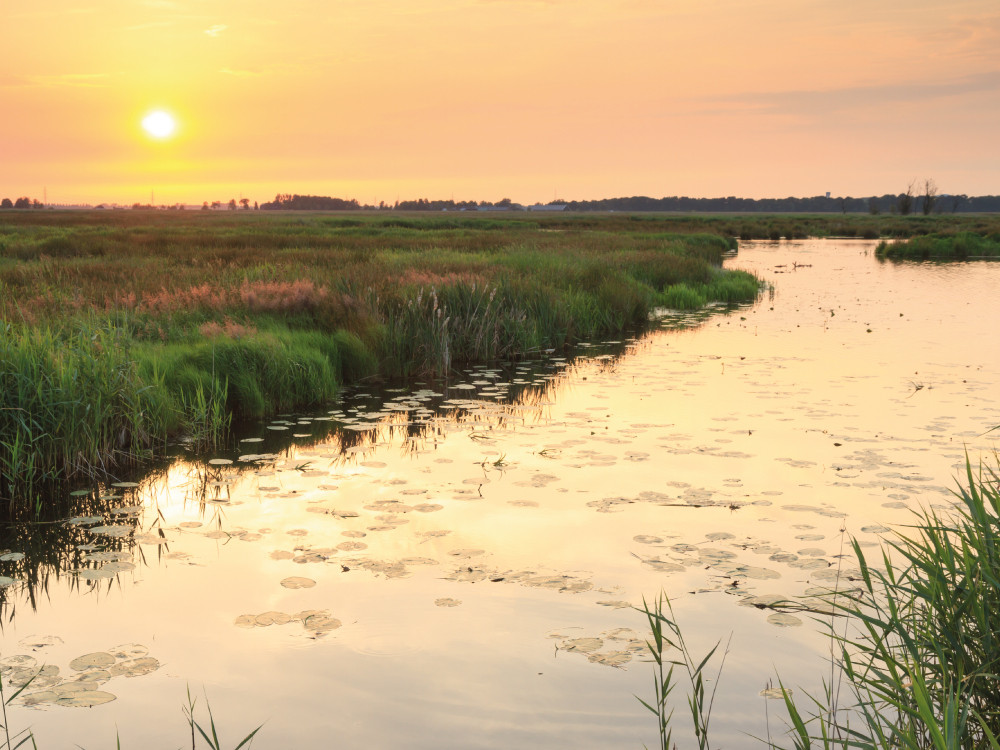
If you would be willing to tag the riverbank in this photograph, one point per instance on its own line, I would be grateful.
(123, 332)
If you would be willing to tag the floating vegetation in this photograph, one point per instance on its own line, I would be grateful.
(622, 644)
(298, 582)
(317, 622)
(48, 685)
(784, 620)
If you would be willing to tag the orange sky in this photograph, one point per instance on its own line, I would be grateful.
(484, 99)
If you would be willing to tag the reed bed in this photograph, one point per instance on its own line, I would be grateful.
(942, 246)
(123, 330)
(916, 645)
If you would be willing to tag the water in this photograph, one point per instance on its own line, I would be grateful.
(462, 545)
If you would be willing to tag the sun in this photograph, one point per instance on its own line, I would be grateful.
(159, 124)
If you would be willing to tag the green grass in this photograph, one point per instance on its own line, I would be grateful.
(123, 331)
(942, 246)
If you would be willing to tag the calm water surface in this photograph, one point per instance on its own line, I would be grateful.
(452, 565)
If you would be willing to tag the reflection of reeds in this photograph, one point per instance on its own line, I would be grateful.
(54, 548)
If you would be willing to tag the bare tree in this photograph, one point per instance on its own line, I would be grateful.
(930, 195)
(905, 200)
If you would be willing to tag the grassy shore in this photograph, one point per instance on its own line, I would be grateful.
(122, 330)
(942, 246)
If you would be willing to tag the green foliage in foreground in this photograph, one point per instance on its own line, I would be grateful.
(209, 735)
(918, 658)
(942, 246)
(121, 332)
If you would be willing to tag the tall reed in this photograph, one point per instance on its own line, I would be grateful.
(922, 662)
(918, 658)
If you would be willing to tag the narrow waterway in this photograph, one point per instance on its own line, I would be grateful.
(455, 565)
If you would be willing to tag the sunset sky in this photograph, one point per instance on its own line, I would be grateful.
(485, 99)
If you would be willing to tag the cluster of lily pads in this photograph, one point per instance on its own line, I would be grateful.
(83, 684)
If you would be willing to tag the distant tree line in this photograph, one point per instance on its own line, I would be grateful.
(903, 203)
(288, 202)
(923, 199)
(21, 203)
(926, 200)
(310, 203)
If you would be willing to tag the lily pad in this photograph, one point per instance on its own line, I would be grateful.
(18, 661)
(85, 698)
(91, 660)
(135, 667)
(646, 539)
(447, 602)
(611, 658)
(113, 531)
(351, 546)
(36, 642)
(582, 645)
(320, 624)
(783, 620)
(298, 582)
(95, 574)
(466, 553)
(128, 651)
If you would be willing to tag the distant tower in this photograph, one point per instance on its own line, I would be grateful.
(827, 193)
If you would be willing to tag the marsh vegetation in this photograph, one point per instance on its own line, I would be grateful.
(961, 245)
(122, 332)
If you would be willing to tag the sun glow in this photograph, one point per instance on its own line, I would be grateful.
(159, 124)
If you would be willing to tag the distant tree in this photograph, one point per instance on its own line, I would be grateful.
(905, 200)
(255, 207)
(957, 201)
(232, 204)
(22, 202)
(6, 203)
(37, 204)
(873, 207)
(245, 203)
(216, 204)
(930, 196)
(204, 206)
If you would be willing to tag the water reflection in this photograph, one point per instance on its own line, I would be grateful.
(475, 543)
